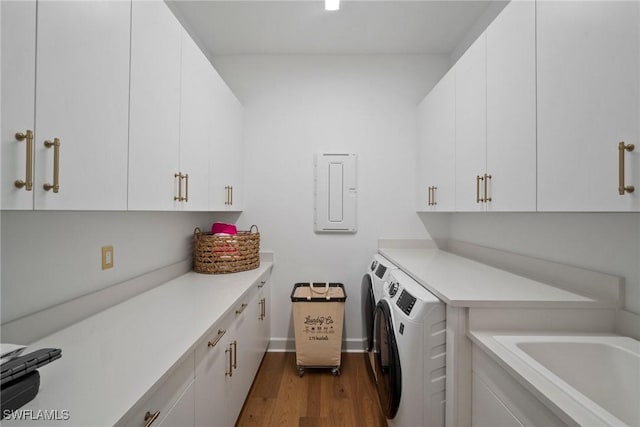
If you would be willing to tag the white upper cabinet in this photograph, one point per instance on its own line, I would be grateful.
(436, 148)
(511, 109)
(226, 150)
(154, 129)
(195, 124)
(470, 135)
(82, 95)
(588, 67)
(185, 124)
(495, 119)
(18, 97)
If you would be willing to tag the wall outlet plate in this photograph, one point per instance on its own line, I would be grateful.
(107, 257)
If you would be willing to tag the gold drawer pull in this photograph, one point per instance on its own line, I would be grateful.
(150, 418)
(241, 309)
(28, 181)
(235, 354)
(56, 165)
(433, 191)
(262, 283)
(230, 351)
(621, 187)
(221, 333)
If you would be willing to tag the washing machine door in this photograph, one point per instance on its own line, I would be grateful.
(368, 310)
(387, 360)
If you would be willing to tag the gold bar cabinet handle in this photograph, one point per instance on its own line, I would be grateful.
(226, 190)
(486, 183)
(262, 309)
(179, 196)
(28, 181)
(428, 196)
(221, 333)
(235, 354)
(621, 187)
(478, 179)
(186, 188)
(149, 418)
(262, 283)
(56, 165)
(434, 202)
(231, 202)
(230, 351)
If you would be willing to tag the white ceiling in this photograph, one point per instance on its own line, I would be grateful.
(238, 27)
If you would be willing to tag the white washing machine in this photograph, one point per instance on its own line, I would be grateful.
(372, 285)
(410, 353)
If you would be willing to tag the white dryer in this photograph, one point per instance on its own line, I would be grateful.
(410, 353)
(372, 286)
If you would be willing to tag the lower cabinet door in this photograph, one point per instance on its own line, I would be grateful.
(487, 410)
(181, 414)
(214, 378)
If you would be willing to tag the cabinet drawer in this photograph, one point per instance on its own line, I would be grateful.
(163, 396)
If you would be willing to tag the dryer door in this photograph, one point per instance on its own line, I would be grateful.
(368, 309)
(387, 361)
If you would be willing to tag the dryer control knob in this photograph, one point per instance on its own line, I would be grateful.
(393, 289)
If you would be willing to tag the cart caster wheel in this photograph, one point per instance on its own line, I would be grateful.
(335, 372)
(300, 372)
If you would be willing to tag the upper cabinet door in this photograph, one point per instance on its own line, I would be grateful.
(588, 65)
(471, 122)
(154, 129)
(82, 99)
(196, 114)
(511, 109)
(436, 147)
(18, 98)
(226, 150)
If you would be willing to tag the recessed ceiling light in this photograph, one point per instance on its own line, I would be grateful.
(331, 5)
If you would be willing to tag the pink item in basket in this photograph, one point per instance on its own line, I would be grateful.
(222, 228)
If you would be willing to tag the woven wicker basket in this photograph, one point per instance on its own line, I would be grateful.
(226, 254)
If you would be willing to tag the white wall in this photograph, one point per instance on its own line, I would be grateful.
(296, 106)
(52, 257)
(605, 242)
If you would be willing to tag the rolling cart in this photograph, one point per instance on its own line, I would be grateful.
(318, 314)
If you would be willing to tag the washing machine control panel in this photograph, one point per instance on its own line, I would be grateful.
(405, 302)
(380, 271)
(393, 289)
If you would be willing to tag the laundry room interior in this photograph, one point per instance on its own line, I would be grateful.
(419, 94)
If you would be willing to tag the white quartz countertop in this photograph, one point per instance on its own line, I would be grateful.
(462, 282)
(112, 359)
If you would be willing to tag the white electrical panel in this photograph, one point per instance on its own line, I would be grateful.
(335, 193)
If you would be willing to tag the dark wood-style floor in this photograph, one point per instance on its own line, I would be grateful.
(279, 397)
